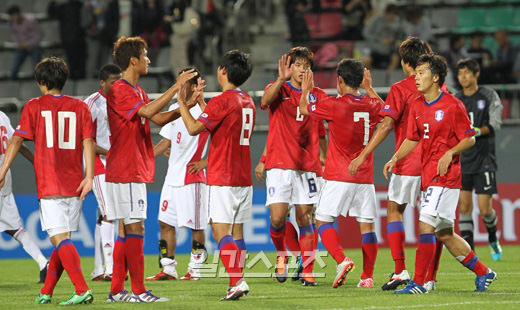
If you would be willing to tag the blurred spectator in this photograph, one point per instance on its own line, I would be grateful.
(354, 14)
(416, 24)
(27, 34)
(456, 52)
(101, 20)
(186, 23)
(298, 30)
(152, 26)
(383, 34)
(72, 34)
(482, 55)
(506, 56)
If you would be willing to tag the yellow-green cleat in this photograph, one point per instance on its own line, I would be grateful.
(43, 299)
(75, 299)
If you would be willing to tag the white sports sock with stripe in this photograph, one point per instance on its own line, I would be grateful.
(98, 253)
(106, 231)
(30, 247)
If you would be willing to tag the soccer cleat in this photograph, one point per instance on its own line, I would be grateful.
(188, 276)
(103, 277)
(148, 297)
(43, 299)
(496, 251)
(75, 299)
(430, 286)
(483, 282)
(396, 280)
(309, 281)
(161, 276)
(237, 291)
(297, 274)
(122, 296)
(43, 273)
(412, 288)
(366, 283)
(281, 268)
(341, 272)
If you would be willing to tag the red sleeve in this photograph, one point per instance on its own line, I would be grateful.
(322, 109)
(320, 94)
(25, 128)
(461, 123)
(125, 101)
(88, 127)
(393, 106)
(213, 114)
(412, 131)
(322, 132)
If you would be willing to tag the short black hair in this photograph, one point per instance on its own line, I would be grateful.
(469, 63)
(437, 65)
(411, 48)
(51, 72)
(193, 80)
(238, 66)
(107, 70)
(13, 9)
(351, 70)
(302, 53)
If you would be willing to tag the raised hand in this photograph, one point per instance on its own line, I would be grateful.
(185, 76)
(307, 81)
(284, 68)
(367, 80)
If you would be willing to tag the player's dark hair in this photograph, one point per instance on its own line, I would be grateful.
(107, 70)
(411, 48)
(51, 72)
(127, 47)
(468, 63)
(238, 66)
(301, 52)
(437, 65)
(13, 9)
(351, 70)
(193, 80)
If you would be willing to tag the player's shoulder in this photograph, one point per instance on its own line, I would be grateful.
(406, 84)
(453, 101)
(91, 100)
(4, 118)
(318, 91)
(487, 92)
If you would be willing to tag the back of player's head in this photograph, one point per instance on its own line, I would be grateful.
(127, 47)
(468, 63)
(13, 10)
(301, 52)
(351, 71)
(437, 65)
(107, 70)
(238, 66)
(411, 48)
(51, 72)
(193, 80)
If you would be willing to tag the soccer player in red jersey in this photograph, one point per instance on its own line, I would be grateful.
(405, 183)
(130, 164)
(230, 119)
(352, 119)
(62, 130)
(439, 123)
(292, 158)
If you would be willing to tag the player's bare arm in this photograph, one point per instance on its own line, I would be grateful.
(193, 126)
(100, 150)
(444, 162)
(24, 150)
(197, 166)
(260, 168)
(89, 153)
(324, 144)
(284, 73)
(366, 84)
(406, 148)
(161, 147)
(307, 86)
(13, 148)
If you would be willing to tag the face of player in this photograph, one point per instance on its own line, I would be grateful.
(466, 77)
(424, 79)
(298, 68)
(105, 85)
(143, 62)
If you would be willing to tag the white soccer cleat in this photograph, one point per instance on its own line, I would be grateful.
(235, 292)
(341, 272)
(366, 283)
(430, 286)
(396, 280)
(148, 297)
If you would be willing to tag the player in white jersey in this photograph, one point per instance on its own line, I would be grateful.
(10, 221)
(104, 231)
(183, 202)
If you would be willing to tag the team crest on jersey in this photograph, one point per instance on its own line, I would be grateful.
(481, 104)
(312, 98)
(387, 107)
(439, 115)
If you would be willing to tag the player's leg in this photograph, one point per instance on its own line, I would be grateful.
(369, 247)
(198, 255)
(466, 209)
(278, 212)
(106, 228)
(291, 238)
(99, 269)
(167, 246)
(304, 220)
(279, 189)
(485, 189)
(237, 233)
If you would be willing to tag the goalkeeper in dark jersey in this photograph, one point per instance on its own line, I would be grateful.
(479, 163)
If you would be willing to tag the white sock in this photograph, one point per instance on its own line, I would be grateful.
(98, 256)
(169, 266)
(106, 231)
(30, 247)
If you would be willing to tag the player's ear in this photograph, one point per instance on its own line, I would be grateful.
(340, 80)
(477, 74)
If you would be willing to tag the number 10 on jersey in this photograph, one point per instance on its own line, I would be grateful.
(70, 144)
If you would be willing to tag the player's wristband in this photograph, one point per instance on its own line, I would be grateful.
(262, 159)
(478, 132)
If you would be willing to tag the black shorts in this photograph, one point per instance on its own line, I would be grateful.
(482, 183)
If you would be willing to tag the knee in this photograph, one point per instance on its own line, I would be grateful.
(465, 207)
(277, 221)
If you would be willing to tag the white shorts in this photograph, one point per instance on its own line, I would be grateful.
(230, 204)
(126, 201)
(342, 198)
(9, 216)
(184, 206)
(404, 189)
(60, 215)
(99, 187)
(439, 206)
(291, 186)
(321, 182)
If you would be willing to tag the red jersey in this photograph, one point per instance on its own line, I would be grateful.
(293, 139)
(352, 121)
(57, 125)
(439, 125)
(130, 157)
(230, 118)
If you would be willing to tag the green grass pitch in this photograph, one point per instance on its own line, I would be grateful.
(455, 286)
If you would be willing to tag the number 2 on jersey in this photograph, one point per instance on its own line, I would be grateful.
(247, 126)
(366, 125)
(49, 132)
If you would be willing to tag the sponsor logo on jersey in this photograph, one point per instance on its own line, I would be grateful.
(312, 98)
(439, 115)
(481, 104)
